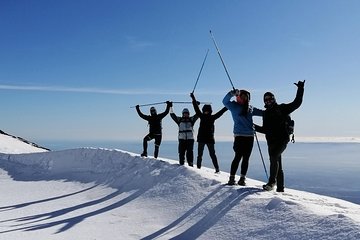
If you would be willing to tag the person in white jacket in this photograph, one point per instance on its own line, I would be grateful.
(186, 135)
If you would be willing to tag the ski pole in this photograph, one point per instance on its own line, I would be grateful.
(257, 141)
(149, 104)
(218, 51)
(200, 70)
(191, 102)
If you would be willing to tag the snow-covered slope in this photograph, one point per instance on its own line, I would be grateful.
(12, 145)
(111, 194)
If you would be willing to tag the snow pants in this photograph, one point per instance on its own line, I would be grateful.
(243, 146)
(186, 147)
(211, 148)
(150, 137)
(275, 150)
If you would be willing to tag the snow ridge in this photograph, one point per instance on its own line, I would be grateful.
(164, 200)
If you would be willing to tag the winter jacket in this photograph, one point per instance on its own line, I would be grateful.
(154, 120)
(243, 124)
(207, 127)
(185, 126)
(274, 118)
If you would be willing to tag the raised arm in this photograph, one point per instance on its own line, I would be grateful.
(290, 107)
(143, 116)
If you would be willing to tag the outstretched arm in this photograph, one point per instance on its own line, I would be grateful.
(290, 107)
(195, 105)
(220, 113)
(143, 116)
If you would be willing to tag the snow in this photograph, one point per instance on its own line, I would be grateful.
(93, 193)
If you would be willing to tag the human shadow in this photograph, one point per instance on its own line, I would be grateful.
(72, 221)
(215, 214)
(212, 216)
(22, 205)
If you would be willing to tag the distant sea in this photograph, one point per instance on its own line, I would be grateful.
(331, 169)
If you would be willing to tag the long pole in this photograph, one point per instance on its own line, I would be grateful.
(149, 104)
(200, 70)
(267, 177)
(223, 63)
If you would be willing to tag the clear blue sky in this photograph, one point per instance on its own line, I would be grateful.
(71, 69)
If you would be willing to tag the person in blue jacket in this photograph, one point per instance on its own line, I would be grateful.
(243, 130)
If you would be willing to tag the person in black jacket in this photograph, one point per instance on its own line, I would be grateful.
(155, 128)
(277, 137)
(206, 131)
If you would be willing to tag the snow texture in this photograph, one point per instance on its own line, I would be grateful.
(92, 193)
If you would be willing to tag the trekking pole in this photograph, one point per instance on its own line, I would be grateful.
(149, 104)
(200, 70)
(191, 102)
(257, 141)
(218, 51)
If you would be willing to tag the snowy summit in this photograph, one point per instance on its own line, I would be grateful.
(112, 194)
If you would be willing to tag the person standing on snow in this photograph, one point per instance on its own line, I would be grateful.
(186, 135)
(243, 130)
(277, 136)
(206, 131)
(155, 128)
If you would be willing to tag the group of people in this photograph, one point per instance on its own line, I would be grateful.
(274, 127)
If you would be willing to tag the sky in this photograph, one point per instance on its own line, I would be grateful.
(72, 70)
(64, 194)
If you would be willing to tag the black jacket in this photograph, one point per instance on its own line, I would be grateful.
(154, 120)
(274, 119)
(207, 127)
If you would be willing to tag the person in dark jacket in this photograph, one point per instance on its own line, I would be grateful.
(155, 128)
(242, 114)
(277, 137)
(186, 135)
(206, 131)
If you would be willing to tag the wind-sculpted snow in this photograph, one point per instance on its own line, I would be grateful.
(145, 198)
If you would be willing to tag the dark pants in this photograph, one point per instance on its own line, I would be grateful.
(211, 148)
(276, 172)
(186, 147)
(150, 137)
(242, 147)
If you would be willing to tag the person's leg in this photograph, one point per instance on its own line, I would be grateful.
(211, 148)
(190, 152)
(145, 144)
(236, 160)
(275, 150)
(182, 150)
(157, 145)
(201, 146)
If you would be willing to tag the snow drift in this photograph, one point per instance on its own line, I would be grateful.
(129, 197)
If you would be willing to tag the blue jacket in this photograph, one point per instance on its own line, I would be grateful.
(243, 124)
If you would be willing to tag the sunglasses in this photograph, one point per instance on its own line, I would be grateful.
(269, 99)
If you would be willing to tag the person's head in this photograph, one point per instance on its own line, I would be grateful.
(242, 97)
(269, 99)
(185, 112)
(207, 109)
(153, 111)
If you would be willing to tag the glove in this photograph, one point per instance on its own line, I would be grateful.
(137, 107)
(300, 84)
(169, 103)
(235, 92)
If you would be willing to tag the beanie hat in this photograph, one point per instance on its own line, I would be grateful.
(207, 108)
(269, 94)
(153, 110)
(185, 110)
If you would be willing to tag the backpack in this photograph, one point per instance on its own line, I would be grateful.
(289, 126)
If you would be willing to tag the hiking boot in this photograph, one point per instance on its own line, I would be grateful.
(231, 180)
(217, 170)
(280, 189)
(241, 182)
(268, 187)
(144, 154)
